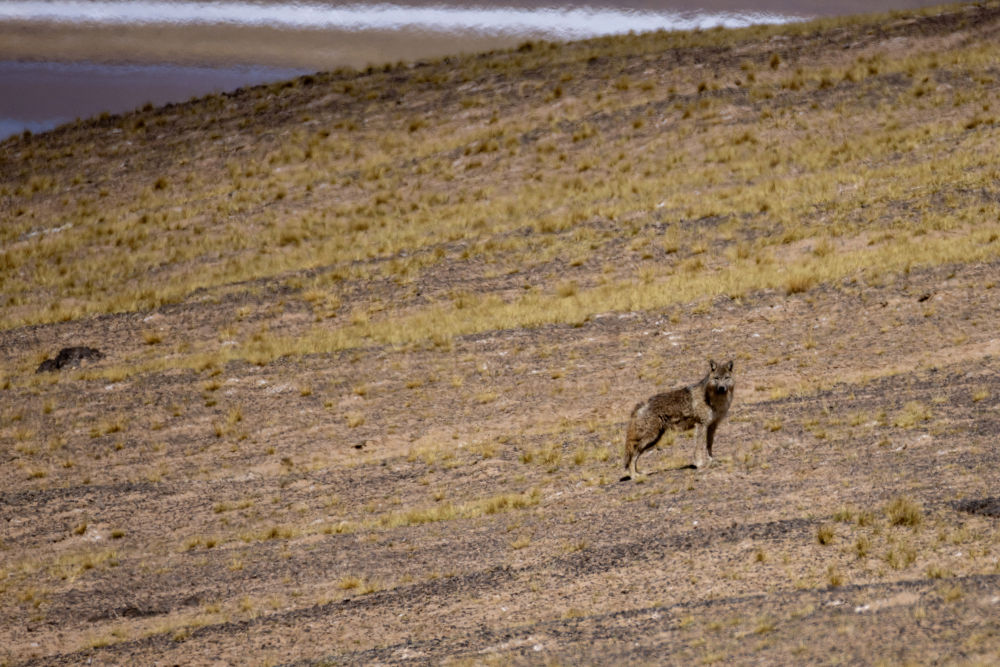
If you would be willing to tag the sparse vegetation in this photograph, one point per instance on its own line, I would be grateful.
(903, 511)
(912, 414)
(372, 337)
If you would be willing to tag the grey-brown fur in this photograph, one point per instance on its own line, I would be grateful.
(702, 405)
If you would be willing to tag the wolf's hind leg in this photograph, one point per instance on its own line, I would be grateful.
(646, 444)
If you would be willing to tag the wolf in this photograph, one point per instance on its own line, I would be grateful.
(702, 405)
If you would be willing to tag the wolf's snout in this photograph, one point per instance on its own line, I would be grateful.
(722, 389)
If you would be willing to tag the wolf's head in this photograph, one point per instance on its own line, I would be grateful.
(720, 378)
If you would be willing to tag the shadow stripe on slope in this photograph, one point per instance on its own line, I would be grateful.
(590, 560)
(601, 558)
(647, 621)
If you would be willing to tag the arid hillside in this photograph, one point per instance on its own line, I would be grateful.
(370, 340)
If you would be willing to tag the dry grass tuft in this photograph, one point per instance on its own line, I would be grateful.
(903, 511)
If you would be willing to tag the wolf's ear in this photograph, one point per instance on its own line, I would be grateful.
(711, 365)
(729, 366)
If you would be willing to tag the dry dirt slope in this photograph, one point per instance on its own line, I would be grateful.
(406, 448)
(498, 531)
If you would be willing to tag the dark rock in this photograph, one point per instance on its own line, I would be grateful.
(983, 506)
(69, 357)
(128, 611)
(47, 365)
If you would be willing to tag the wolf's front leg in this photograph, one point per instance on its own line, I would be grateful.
(701, 455)
(710, 438)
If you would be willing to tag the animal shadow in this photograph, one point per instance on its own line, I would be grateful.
(687, 466)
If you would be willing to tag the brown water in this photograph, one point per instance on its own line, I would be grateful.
(61, 63)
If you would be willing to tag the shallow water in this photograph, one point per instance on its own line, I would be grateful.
(40, 96)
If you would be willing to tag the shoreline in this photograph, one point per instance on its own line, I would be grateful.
(85, 64)
(327, 36)
(225, 46)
